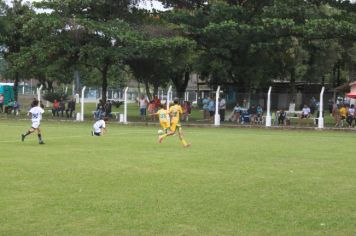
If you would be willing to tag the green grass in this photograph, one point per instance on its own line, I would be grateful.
(230, 182)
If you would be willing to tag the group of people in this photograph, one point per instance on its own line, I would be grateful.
(59, 107)
(103, 109)
(344, 112)
(12, 106)
(154, 105)
(242, 115)
(209, 107)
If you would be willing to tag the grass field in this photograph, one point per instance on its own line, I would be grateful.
(230, 182)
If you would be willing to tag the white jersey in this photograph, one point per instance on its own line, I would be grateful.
(36, 113)
(100, 124)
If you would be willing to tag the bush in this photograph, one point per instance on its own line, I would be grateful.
(55, 96)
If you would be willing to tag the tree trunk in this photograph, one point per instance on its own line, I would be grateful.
(155, 90)
(292, 90)
(104, 85)
(147, 87)
(16, 86)
(181, 83)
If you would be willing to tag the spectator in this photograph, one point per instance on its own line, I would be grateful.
(55, 108)
(343, 115)
(282, 117)
(252, 111)
(305, 112)
(9, 107)
(152, 110)
(186, 110)
(222, 108)
(313, 102)
(237, 113)
(16, 108)
(70, 108)
(205, 102)
(62, 107)
(336, 115)
(259, 114)
(143, 107)
(100, 110)
(330, 105)
(1, 103)
(351, 115)
(211, 108)
(108, 108)
(157, 103)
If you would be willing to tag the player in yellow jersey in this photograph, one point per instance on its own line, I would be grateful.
(175, 112)
(163, 116)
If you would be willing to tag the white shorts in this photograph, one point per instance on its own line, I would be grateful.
(35, 124)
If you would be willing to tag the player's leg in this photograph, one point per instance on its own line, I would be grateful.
(39, 135)
(30, 131)
(181, 138)
(167, 131)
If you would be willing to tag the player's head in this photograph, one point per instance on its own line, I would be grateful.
(105, 119)
(176, 101)
(35, 102)
(161, 106)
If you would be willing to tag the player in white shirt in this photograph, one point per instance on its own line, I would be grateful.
(36, 117)
(99, 127)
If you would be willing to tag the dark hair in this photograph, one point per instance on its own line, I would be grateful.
(176, 101)
(35, 102)
(106, 119)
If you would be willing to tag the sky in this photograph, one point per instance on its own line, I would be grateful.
(145, 4)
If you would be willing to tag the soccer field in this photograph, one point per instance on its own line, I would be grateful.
(230, 182)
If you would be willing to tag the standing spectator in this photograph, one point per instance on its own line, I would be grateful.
(55, 108)
(211, 107)
(205, 102)
(336, 115)
(312, 105)
(157, 103)
(222, 108)
(70, 108)
(343, 115)
(351, 115)
(1, 103)
(282, 117)
(259, 114)
(330, 105)
(143, 107)
(62, 107)
(152, 110)
(186, 110)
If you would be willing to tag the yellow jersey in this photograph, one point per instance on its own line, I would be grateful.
(343, 111)
(175, 111)
(163, 115)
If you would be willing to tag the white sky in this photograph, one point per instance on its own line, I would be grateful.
(145, 4)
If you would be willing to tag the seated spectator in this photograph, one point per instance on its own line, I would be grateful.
(62, 107)
(236, 113)
(351, 115)
(100, 110)
(282, 117)
(70, 108)
(259, 114)
(252, 111)
(206, 107)
(55, 108)
(9, 107)
(108, 108)
(16, 108)
(305, 112)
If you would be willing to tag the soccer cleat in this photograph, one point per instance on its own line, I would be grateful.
(41, 142)
(23, 137)
(188, 145)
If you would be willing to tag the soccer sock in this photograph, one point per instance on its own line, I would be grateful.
(39, 137)
(28, 132)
